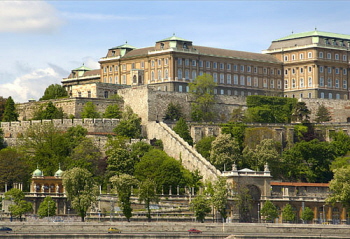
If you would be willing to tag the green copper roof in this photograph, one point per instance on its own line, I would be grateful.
(314, 34)
(174, 38)
(82, 68)
(126, 45)
(38, 173)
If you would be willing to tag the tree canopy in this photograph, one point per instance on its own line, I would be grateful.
(129, 125)
(10, 113)
(47, 208)
(48, 111)
(18, 206)
(54, 91)
(269, 211)
(323, 114)
(173, 111)
(90, 111)
(182, 130)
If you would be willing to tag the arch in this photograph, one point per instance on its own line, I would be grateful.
(134, 79)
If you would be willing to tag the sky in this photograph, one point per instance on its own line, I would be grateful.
(42, 41)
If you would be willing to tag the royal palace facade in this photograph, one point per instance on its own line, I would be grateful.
(305, 65)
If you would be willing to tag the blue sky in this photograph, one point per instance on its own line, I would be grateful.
(42, 41)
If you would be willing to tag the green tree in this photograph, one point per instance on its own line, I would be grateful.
(307, 214)
(81, 189)
(47, 208)
(18, 206)
(244, 204)
(139, 149)
(322, 114)
(220, 195)
(224, 152)
(269, 211)
(147, 194)
(123, 184)
(48, 111)
(200, 205)
(339, 187)
(89, 111)
(202, 90)
(173, 112)
(340, 142)
(301, 113)
(120, 161)
(112, 112)
(10, 113)
(236, 130)
(2, 106)
(54, 91)
(203, 146)
(288, 214)
(13, 167)
(2, 142)
(182, 130)
(75, 135)
(129, 125)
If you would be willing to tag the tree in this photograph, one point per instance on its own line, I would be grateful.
(301, 113)
(123, 184)
(323, 114)
(81, 189)
(20, 206)
(200, 205)
(47, 208)
(120, 161)
(339, 187)
(54, 91)
(307, 214)
(182, 130)
(202, 90)
(288, 214)
(2, 106)
(10, 113)
(224, 152)
(244, 204)
(112, 112)
(220, 195)
(89, 111)
(269, 211)
(2, 144)
(13, 167)
(236, 130)
(129, 125)
(48, 111)
(173, 112)
(147, 194)
(203, 146)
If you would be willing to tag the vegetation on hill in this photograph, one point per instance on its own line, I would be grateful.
(10, 113)
(54, 91)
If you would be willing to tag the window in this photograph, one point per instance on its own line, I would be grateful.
(249, 81)
(256, 82)
(152, 75)
(215, 76)
(322, 95)
(293, 83)
(187, 74)
(215, 65)
(166, 61)
(286, 72)
(301, 95)
(309, 82)
(321, 69)
(310, 95)
(228, 76)
(329, 83)
(193, 62)
(345, 85)
(116, 68)
(179, 73)
(242, 68)
(104, 69)
(309, 54)
(320, 54)
(228, 66)
(105, 79)
(235, 79)
(187, 88)
(180, 88)
(166, 74)
(301, 70)
(116, 80)
(124, 79)
(242, 80)
(159, 74)
(110, 68)
(301, 83)
(272, 84)
(336, 83)
(222, 66)
(330, 96)
(221, 92)
(337, 96)
(235, 67)
(194, 75)
(142, 64)
(159, 62)
(279, 72)
(110, 79)
(329, 69)
(152, 63)
(235, 92)
(229, 92)
(265, 83)
(301, 56)
(344, 71)
(265, 71)
(279, 84)
(293, 57)
(222, 78)
(337, 71)
(207, 64)
(310, 69)
(179, 61)
(272, 72)
(336, 56)
(106, 94)
(329, 56)
(286, 84)
(285, 58)
(187, 62)
(255, 69)
(344, 57)
(321, 81)
(248, 69)
(200, 63)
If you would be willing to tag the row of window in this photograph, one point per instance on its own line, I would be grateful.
(329, 84)
(322, 95)
(133, 65)
(221, 91)
(321, 55)
(336, 70)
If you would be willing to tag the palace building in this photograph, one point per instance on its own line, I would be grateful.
(304, 65)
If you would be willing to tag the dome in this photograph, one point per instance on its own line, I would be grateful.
(38, 173)
(59, 173)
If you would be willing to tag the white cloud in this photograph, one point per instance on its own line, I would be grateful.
(31, 85)
(28, 16)
(99, 17)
